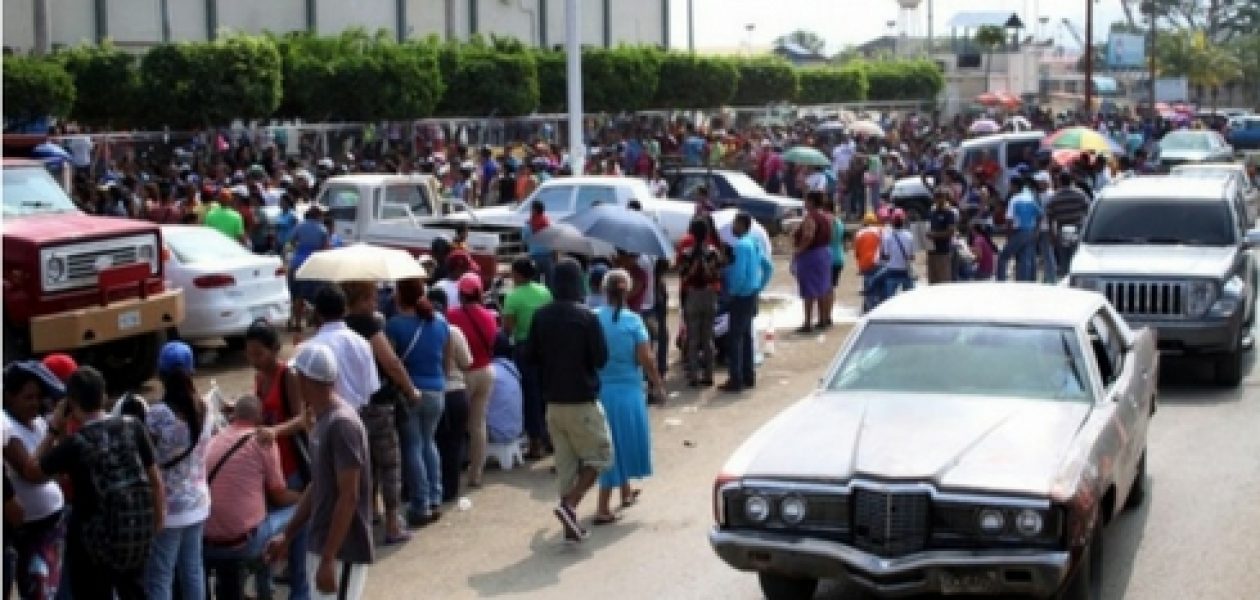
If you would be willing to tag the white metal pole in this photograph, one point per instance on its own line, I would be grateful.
(573, 47)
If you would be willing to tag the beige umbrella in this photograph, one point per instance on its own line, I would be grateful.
(867, 128)
(361, 262)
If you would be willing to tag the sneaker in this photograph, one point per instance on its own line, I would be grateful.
(568, 519)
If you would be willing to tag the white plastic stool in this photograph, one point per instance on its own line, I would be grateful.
(507, 454)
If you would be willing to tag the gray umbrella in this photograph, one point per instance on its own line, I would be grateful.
(629, 230)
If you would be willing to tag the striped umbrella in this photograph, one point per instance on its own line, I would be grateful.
(1083, 138)
(989, 99)
(984, 127)
(1064, 157)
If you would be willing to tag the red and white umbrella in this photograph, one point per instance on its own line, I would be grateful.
(984, 127)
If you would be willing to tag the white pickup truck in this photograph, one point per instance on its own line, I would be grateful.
(566, 196)
(405, 211)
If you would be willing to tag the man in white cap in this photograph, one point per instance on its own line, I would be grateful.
(337, 504)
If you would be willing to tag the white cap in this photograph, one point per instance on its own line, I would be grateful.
(315, 361)
(1041, 177)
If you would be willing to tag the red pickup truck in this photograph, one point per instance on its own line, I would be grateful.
(91, 286)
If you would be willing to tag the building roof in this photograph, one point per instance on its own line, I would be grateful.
(977, 19)
(1000, 303)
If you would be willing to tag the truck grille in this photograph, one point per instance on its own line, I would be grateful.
(890, 523)
(1147, 299)
(82, 265)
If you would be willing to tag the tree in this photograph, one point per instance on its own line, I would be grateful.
(619, 79)
(35, 88)
(989, 37)
(553, 81)
(829, 85)
(106, 83)
(208, 84)
(1221, 20)
(765, 79)
(903, 80)
(806, 39)
(1207, 66)
(483, 81)
(688, 81)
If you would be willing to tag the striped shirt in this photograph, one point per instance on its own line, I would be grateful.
(1067, 206)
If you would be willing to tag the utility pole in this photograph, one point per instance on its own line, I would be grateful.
(573, 49)
(691, 25)
(43, 33)
(931, 18)
(1150, 52)
(1089, 58)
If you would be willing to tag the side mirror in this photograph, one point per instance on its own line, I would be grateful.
(1253, 238)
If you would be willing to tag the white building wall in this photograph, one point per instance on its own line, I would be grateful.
(591, 28)
(19, 24)
(188, 19)
(425, 18)
(73, 22)
(637, 22)
(506, 18)
(263, 15)
(135, 22)
(334, 16)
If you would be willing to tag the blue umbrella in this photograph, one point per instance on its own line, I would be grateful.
(50, 151)
(629, 230)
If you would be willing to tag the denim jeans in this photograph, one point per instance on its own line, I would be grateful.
(422, 466)
(533, 408)
(176, 557)
(229, 583)
(873, 287)
(895, 279)
(1046, 248)
(299, 584)
(1021, 246)
(739, 352)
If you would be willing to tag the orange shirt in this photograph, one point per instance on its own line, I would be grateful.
(866, 247)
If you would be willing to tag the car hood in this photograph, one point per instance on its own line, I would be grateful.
(494, 215)
(71, 227)
(910, 186)
(993, 444)
(1143, 259)
(786, 202)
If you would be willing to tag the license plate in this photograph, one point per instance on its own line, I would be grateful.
(129, 319)
(969, 583)
(260, 312)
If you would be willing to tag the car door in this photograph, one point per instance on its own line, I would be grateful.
(1127, 364)
(341, 201)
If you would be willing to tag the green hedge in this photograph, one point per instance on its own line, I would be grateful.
(35, 88)
(357, 76)
(829, 85)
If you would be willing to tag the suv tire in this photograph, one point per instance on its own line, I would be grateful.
(1229, 367)
(781, 587)
(1085, 583)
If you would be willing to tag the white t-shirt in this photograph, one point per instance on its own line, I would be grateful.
(817, 182)
(81, 151)
(842, 155)
(898, 246)
(38, 500)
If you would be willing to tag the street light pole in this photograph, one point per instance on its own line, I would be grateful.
(691, 25)
(573, 49)
(1089, 58)
(1150, 53)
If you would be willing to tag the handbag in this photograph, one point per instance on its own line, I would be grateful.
(904, 255)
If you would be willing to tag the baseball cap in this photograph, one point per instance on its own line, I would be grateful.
(470, 284)
(176, 355)
(61, 365)
(1041, 177)
(315, 361)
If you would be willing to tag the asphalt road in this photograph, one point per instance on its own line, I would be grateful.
(1196, 536)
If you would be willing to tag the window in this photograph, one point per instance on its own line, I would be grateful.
(342, 202)
(557, 199)
(1190, 222)
(404, 201)
(593, 195)
(201, 244)
(1022, 151)
(689, 184)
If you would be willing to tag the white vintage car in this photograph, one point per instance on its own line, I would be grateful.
(969, 439)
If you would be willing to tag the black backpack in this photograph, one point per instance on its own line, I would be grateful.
(120, 532)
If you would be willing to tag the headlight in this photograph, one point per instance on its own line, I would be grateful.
(991, 521)
(1199, 297)
(757, 508)
(1092, 284)
(55, 269)
(792, 510)
(1029, 523)
(1230, 300)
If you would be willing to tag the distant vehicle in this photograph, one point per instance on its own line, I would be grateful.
(1193, 146)
(1009, 149)
(736, 189)
(1173, 254)
(1236, 172)
(83, 284)
(226, 287)
(569, 195)
(1243, 132)
(969, 439)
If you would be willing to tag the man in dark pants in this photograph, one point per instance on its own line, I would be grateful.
(748, 273)
(518, 314)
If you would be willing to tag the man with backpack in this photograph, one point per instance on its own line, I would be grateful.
(118, 497)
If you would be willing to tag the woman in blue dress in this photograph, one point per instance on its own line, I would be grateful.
(622, 394)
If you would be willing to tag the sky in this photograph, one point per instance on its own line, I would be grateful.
(721, 24)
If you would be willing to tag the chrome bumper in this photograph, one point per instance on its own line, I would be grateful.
(988, 572)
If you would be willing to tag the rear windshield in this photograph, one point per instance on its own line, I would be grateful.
(1195, 223)
(201, 244)
(1185, 141)
(32, 191)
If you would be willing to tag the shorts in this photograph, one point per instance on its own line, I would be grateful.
(580, 436)
(835, 275)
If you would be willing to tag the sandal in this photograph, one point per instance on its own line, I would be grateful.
(631, 500)
(393, 540)
(606, 519)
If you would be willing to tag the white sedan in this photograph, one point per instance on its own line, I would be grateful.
(226, 287)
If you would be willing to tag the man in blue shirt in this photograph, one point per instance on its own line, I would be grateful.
(693, 148)
(1023, 214)
(748, 273)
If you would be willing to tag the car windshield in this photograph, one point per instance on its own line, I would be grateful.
(1189, 222)
(32, 191)
(194, 245)
(966, 358)
(744, 185)
(1179, 141)
(1203, 172)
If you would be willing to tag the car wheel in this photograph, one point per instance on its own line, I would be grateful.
(1086, 582)
(127, 363)
(1229, 367)
(780, 587)
(235, 343)
(1137, 491)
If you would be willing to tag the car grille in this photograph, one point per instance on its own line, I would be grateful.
(82, 267)
(890, 523)
(1147, 299)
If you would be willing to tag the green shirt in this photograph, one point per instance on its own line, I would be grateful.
(521, 304)
(226, 220)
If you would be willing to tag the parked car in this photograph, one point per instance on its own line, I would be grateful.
(1244, 133)
(1009, 149)
(969, 439)
(1193, 146)
(1235, 171)
(78, 283)
(736, 189)
(225, 286)
(566, 196)
(1173, 254)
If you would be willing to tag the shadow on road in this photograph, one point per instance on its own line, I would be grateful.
(548, 557)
